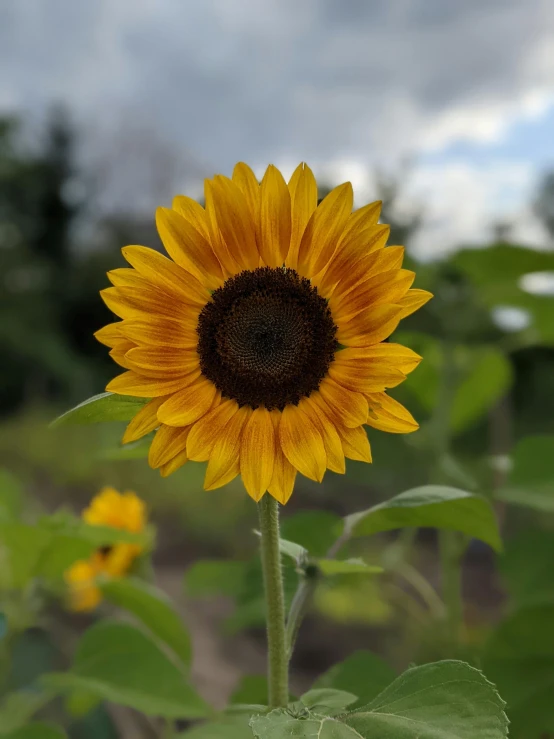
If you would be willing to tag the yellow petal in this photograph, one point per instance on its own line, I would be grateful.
(284, 474)
(84, 594)
(132, 302)
(167, 443)
(145, 421)
(119, 560)
(371, 326)
(110, 335)
(303, 194)
(363, 243)
(394, 355)
(355, 443)
(126, 277)
(161, 271)
(390, 257)
(227, 260)
(345, 406)
(163, 361)
(302, 444)
(387, 414)
(275, 218)
(353, 265)
(129, 383)
(119, 354)
(206, 432)
(224, 459)
(331, 439)
(413, 301)
(174, 464)
(235, 223)
(357, 274)
(246, 181)
(188, 248)
(387, 287)
(324, 229)
(188, 405)
(160, 332)
(355, 376)
(119, 510)
(362, 219)
(257, 453)
(193, 212)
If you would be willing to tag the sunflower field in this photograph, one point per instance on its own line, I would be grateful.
(287, 482)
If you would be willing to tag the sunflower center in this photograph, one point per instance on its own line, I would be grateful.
(266, 338)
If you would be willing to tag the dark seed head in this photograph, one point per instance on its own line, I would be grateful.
(266, 338)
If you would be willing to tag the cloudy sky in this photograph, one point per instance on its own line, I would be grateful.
(167, 91)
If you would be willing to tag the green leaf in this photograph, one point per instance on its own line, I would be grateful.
(151, 606)
(488, 380)
(38, 730)
(251, 689)
(363, 674)
(527, 567)
(229, 727)
(531, 480)
(295, 551)
(17, 708)
(316, 531)
(214, 577)
(520, 659)
(119, 663)
(24, 545)
(50, 546)
(66, 524)
(100, 408)
(330, 567)
(59, 555)
(444, 700)
(282, 724)
(328, 701)
(434, 506)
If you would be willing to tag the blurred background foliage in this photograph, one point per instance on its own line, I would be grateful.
(484, 396)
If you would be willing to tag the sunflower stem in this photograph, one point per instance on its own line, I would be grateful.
(278, 678)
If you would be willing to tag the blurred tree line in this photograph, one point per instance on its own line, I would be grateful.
(51, 272)
(49, 304)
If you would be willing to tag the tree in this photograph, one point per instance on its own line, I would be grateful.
(36, 263)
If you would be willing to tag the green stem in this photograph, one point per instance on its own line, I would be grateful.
(299, 606)
(268, 510)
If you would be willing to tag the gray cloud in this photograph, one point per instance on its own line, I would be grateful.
(279, 80)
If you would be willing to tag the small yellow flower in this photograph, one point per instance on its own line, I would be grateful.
(261, 342)
(123, 511)
(84, 594)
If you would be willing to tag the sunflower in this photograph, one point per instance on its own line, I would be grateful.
(260, 341)
(123, 511)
